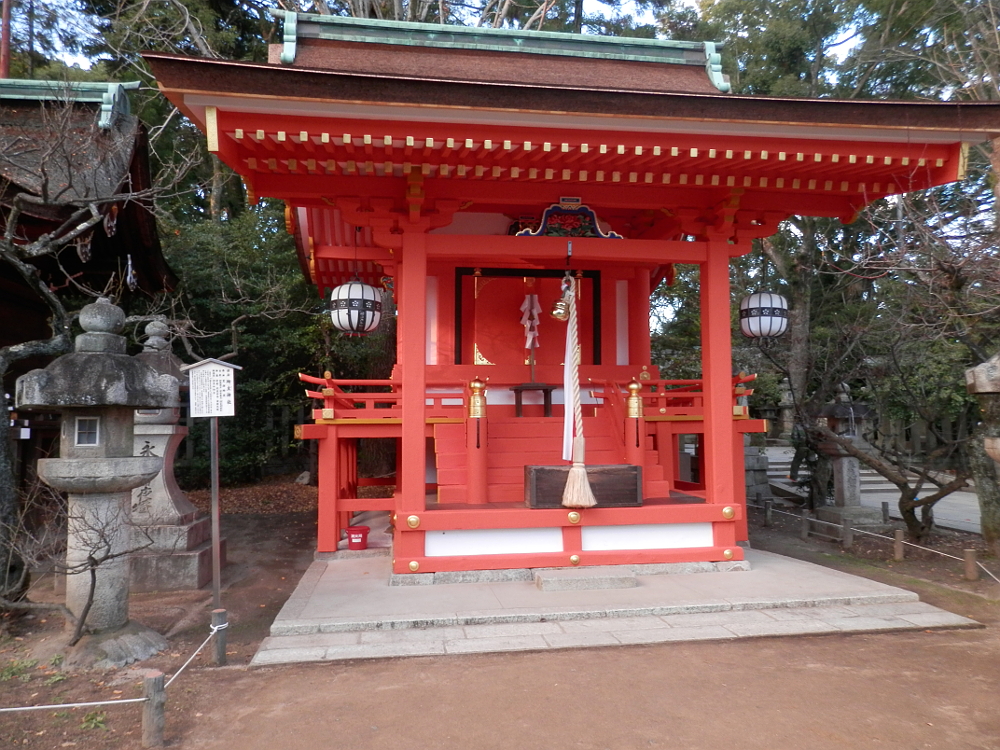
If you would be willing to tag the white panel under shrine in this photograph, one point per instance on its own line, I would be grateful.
(467, 542)
(647, 536)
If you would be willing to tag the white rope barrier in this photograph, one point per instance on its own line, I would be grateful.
(214, 629)
(74, 705)
(889, 539)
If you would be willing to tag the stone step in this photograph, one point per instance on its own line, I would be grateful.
(581, 579)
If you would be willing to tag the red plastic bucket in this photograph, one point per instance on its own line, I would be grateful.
(357, 537)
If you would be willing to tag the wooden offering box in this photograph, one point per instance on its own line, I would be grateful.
(616, 486)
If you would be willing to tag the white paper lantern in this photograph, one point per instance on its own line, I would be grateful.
(355, 308)
(763, 316)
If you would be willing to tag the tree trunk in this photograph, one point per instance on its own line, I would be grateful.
(920, 527)
(11, 563)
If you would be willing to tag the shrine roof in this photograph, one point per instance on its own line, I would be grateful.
(196, 82)
(487, 54)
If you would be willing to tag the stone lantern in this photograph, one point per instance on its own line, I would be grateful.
(847, 419)
(983, 381)
(97, 389)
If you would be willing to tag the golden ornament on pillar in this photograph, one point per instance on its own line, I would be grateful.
(413, 521)
(477, 399)
(634, 400)
(574, 559)
(729, 512)
(573, 517)
(414, 566)
(728, 554)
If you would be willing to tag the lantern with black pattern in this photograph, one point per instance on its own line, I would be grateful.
(763, 316)
(355, 307)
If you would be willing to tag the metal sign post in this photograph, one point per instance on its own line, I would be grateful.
(212, 390)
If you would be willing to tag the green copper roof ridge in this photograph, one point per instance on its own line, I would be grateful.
(408, 33)
(109, 94)
(484, 30)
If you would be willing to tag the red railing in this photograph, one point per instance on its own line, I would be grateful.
(381, 399)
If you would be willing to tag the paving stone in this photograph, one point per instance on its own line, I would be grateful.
(411, 635)
(511, 629)
(717, 618)
(870, 623)
(324, 640)
(807, 613)
(667, 634)
(607, 624)
(386, 650)
(581, 640)
(940, 619)
(798, 627)
(490, 645)
(893, 608)
(289, 655)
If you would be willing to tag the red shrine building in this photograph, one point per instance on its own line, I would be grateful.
(467, 170)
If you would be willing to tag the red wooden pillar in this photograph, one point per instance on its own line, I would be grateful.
(638, 318)
(411, 349)
(716, 362)
(328, 522)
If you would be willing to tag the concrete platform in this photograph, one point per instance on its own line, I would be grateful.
(346, 609)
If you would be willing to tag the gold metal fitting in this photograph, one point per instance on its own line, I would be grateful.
(560, 310)
(634, 400)
(477, 399)
(415, 566)
(327, 374)
(728, 554)
(574, 559)
(728, 512)
(413, 521)
(573, 517)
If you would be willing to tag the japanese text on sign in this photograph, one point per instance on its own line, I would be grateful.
(212, 389)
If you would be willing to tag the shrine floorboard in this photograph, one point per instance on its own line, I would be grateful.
(346, 609)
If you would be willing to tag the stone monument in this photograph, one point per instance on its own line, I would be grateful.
(97, 389)
(179, 551)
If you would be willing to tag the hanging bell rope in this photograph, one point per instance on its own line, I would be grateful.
(577, 493)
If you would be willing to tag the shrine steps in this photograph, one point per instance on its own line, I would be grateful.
(517, 442)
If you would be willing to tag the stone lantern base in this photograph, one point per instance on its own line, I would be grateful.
(180, 556)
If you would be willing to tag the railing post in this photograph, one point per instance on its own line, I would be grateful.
(897, 545)
(847, 535)
(475, 443)
(220, 620)
(971, 568)
(804, 531)
(885, 511)
(634, 426)
(153, 709)
(767, 512)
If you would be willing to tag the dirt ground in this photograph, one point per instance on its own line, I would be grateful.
(933, 689)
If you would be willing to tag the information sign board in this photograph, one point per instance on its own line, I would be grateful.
(212, 389)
